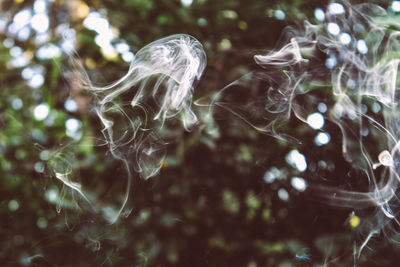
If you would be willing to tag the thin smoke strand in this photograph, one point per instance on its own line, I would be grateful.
(139, 110)
(359, 75)
(269, 97)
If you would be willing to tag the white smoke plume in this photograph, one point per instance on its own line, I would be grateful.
(136, 109)
(141, 111)
(353, 55)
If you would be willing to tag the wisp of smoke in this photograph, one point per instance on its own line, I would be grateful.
(353, 54)
(141, 110)
(136, 109)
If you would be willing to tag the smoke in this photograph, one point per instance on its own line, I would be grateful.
(136, 110)
(142, 111)
(351, 57)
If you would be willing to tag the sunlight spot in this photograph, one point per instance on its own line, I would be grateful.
(316, 120)
(271, 175)
(362, 46)
(48, 51)
(16, 51)
(186, 2)
(122, 47)
(51, 195)
(39, 167)
(42, 38)
(21, 19)
(376, 107)
(279, 14)
(336, 8)
(354, 221)
(82, 10)
(73, 128)
(229, 14)
(20, 61)
(40, 22)
(322, 107)
(45, 155)
(283, 194)
(225, 44)
(128, 56)
(17, 103)
(70, 105)
(13, 205)
(36, 81)
(319, 14)
(95, 22)
(331, 62)
(104, 39)
(72, 125)
(333, 28)
(364, 108)
(24, 34)
(322, 139)
(109, 52)
(39, 6)
(299, 184)
(396, 6)
(27, 73)
(345, 38)
(13, 28)
(41, 111)
(8, 42)
(297, 160)
(202, 22)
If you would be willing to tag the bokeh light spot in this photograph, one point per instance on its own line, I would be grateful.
(297, 160)
(333, 28)
(299, 184)
(322, 139)
(41, 111)
(13, 205)
(283, 194)
(336, 8)
(40, 22)
(316, 120)
(319, 14)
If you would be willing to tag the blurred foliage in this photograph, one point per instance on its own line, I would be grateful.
(210, 205)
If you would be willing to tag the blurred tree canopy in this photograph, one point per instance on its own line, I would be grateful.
(228, 203)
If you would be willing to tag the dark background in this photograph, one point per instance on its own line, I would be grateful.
(209, 206)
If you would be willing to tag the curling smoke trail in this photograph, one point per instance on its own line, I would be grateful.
(354, 55)
(157, 88)
(140, 111)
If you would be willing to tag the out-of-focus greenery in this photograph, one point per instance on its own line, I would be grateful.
(210, 205)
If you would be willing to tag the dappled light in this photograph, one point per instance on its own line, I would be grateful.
(199, 133)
